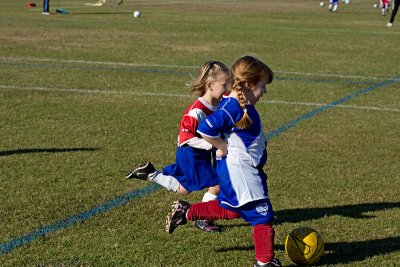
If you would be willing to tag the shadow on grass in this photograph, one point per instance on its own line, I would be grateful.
(44, 150)
(244, 224)
(342, 252)
(339, 252)
(350, 211)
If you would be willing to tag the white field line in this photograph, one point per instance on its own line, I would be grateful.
(97, 62)
(113, 92)
(110, 63)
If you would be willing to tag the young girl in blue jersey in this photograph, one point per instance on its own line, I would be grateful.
(236, 130)
(333, 4)
(193, 169)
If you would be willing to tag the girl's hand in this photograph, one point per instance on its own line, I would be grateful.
(222, 152)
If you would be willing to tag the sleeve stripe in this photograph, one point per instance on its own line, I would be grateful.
(196, 113)
(228, 115)
(210, 136)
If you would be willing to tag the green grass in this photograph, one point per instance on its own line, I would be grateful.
(83, 96)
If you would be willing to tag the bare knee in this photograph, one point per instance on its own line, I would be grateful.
(214, 190)
(182, 191)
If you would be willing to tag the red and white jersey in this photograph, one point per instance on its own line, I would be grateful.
(385, 2)
(193, 115)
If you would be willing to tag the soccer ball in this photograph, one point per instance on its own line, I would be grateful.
(375, 5)
(321, 4)
(304, 245)
(137, 13)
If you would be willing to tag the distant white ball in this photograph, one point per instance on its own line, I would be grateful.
(137, 13)
(321, 4)
(375, 5)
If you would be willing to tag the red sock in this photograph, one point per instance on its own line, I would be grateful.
(210, 210)
(263, 235)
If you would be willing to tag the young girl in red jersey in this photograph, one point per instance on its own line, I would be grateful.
(236, 130)
(385, 6)
(193, 169)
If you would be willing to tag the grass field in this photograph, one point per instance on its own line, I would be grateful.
(84, 96)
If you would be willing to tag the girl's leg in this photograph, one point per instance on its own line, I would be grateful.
(335, 7)
(210, 210)
(46, 8)
(168, 182)
(207, 225)
(395, 9)
(263, 236)
(182, 211)
(146, 171)
(211, 194)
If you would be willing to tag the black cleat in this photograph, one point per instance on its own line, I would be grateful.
(141, 171)
(272, 263)
(177, 216)
(207, 226)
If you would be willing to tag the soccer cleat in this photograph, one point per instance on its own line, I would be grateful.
(177, 216)
(141, 171)
(389, 24)
(207, 226)
(62, 11)
(272, 263)
(46, 13)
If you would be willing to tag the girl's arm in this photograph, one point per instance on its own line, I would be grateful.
(219, 143)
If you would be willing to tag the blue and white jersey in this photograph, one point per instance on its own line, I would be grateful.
(240, 173)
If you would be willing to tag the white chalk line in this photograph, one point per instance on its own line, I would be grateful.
(114, 92)
(110, 63)
(88, 62)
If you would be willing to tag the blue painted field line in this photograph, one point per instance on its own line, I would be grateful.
(26, 239)
(275, 132)
(41, 232)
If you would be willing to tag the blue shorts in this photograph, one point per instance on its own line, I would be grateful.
(193, 168)
(257, 212)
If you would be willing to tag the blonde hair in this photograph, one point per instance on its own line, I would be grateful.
(209, 69)
(246, 72)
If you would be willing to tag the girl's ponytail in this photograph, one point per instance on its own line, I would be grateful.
(245, 121)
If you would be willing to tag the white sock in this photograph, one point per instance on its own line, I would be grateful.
(209, 196)
(169, 182)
